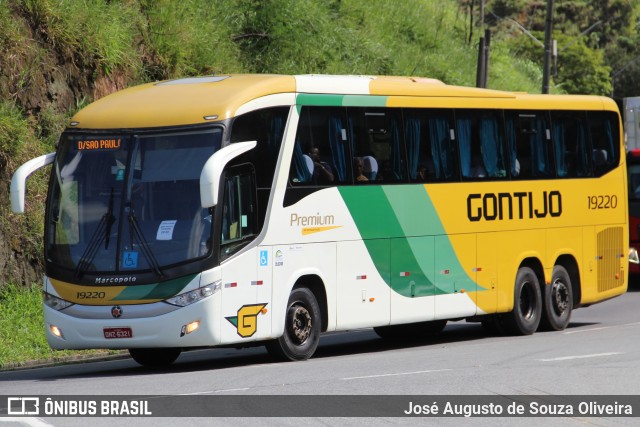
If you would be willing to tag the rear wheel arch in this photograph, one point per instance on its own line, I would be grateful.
(536, 265)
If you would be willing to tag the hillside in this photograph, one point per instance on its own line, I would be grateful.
(56, 56)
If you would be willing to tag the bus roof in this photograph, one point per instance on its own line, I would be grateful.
(197, 100)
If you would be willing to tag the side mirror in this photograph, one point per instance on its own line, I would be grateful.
(212, 170)
(19, 180)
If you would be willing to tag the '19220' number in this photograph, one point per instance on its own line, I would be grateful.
(603, 202)
(90, 295)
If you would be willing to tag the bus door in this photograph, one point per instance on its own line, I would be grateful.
(246, 288)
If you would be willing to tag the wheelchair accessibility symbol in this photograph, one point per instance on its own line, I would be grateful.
(264, 258)
(129, 259)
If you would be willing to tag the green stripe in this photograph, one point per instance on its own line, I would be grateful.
(157, 291)
(320, 100)
(330, 100)
(403, 233)
(364, 101)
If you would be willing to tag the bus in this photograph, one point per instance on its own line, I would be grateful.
(241, 210)
(633, 174)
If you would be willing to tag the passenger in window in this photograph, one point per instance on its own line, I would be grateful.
(322, 172)
(358, 170)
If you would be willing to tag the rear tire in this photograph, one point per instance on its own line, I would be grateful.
(527, 306)
(155, 357)
(558, 301)
(301, 330)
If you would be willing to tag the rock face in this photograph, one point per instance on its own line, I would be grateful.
(44, 82)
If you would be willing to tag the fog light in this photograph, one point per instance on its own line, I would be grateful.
(56, 331)
(193, 326)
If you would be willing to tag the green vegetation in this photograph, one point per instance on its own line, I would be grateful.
(58, 55)
(22, 329)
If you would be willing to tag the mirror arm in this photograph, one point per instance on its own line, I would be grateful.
(212, 170)
(19, 180)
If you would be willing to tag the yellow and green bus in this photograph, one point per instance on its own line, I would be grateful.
(269, 209)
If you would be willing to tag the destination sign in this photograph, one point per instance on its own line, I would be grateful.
(99, 144)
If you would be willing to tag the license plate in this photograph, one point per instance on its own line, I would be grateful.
(110, 333)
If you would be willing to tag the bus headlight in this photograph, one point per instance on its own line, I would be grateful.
(195, 295)
(633, 256)
(55, 302)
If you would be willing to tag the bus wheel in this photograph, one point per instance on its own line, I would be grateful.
(411, 331)
(155, 357)
(558, 301)
(301, 330)
(527, 307)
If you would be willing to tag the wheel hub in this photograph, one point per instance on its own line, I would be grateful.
(560, 297)
(300, 323)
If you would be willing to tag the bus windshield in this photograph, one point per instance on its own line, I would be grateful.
(127, 203)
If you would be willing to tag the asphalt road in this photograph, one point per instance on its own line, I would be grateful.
(598, 354)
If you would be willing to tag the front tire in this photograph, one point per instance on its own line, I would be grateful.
(301, 330)
(558, 301)
(155, 357)
(527, 306)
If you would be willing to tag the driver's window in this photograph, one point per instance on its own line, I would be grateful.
(238, 222)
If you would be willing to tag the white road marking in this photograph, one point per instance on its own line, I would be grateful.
(397, 374)
(584, 356)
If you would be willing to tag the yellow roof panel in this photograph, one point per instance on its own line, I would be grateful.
(179, 102)
(188, 101)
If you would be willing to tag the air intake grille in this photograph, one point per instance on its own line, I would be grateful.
(609, 253)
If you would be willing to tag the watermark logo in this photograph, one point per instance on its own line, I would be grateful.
(23, 406)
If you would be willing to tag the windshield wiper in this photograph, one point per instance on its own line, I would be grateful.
(103, 230)
(146, 250)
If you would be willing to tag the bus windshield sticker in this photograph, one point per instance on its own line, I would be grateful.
(129, 259)
(165, 230)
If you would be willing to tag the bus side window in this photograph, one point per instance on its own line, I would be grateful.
(533, 147)
(238, 216)
(443, 147)
(266, 126)
(376, 141)
(432, 154)
(569, 132)
(604, 141)
(419, 160)
(321, 151)
(480, 144)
